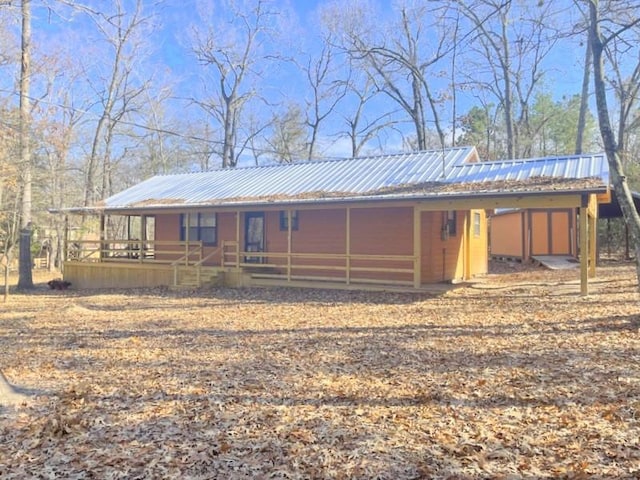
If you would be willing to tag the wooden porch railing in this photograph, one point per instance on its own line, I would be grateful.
(345, 268)
(150, 251)
(344, 265)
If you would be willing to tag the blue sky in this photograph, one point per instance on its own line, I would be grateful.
(171, 59)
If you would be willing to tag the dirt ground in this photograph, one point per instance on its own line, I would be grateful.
(515, 376)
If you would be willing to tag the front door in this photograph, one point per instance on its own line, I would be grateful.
(254, 236)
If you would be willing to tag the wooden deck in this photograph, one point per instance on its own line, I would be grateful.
(95, 275)
(117, 275)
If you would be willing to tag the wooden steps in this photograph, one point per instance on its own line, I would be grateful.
(187, 277)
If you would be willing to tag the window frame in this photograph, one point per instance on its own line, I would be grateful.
(451, 222)
(284, 220)
(477, 224)
(199, 226)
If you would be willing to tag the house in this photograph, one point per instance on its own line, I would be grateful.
(389, 221)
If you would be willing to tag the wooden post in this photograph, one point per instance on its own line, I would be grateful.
(238, 239)
(348, 247)
(289, 238)
(65, 243)
(143, 238)
(593, 235)
(103, 245)
(584, 249)
(417, 247)
(466, 268)
(186, 237)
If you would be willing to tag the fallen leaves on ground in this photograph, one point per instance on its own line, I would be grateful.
(516, 376)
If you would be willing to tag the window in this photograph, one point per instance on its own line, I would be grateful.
(450, 222)
(476, 224)
(284, 220)
(202, 226)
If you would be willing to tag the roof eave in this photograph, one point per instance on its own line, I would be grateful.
(329, 200)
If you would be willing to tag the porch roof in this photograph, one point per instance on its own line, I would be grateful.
(453, 172)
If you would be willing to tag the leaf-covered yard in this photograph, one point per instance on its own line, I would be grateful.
(515, 377)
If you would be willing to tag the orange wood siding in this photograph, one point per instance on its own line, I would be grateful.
(441, 259)
(226, 230)
(168, 227)
(385, 231)
(276, 239)
(534, 232)
(507, 232)
(320, 232)
(552, 232)
(374, 231)
(382, 231)
(539, 232)
(167, 230)
(561, 228)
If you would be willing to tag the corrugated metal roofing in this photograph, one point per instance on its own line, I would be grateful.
(566, 167)
(357, 177)
(352, 176)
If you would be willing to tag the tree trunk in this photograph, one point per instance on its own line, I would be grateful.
(25, 280)
(584, 100)
(5, 293)
(618, 178)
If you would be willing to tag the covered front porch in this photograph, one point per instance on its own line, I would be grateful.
(252, 248)
(291, 246)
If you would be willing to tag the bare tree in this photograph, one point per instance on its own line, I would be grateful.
(401, 59)
(25, 280)
(616, 37)
(288, 140)
(9, 180)
(9, 222)
(235, 54)
(124, 33)
(506, 51)
(363, 127)
(57, 128)
(9, 193)
(326, 91)
(584, 98)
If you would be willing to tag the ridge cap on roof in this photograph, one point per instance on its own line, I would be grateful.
(538, 159)
(319, 161)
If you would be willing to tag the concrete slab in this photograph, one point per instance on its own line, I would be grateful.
(557, 262)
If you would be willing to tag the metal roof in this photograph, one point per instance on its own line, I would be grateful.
(355, 176)
(364, 177)
(565, 167)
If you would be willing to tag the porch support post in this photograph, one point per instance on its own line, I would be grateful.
(584, 247)
(593, 235)
(348, 246)
(143, 228)
(186, 237)
(417, 247)
(65, 243)
(103, 245)
(238, 239)
(466, 268)
(289, 238)
(143, 237)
